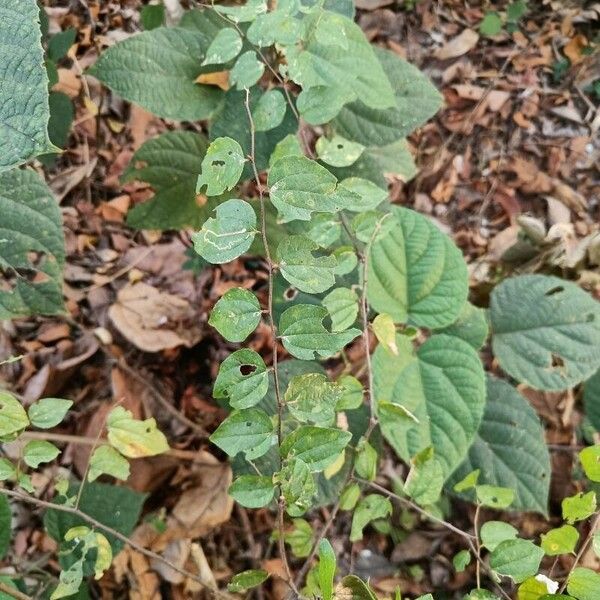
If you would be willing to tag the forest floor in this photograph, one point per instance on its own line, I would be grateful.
(509, 168)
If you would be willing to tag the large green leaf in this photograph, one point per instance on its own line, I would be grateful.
(416, 274)
(416, 100)
(157, 69)
(31, 246)
(546, 331)
(170, 163)
(442, 386)
(518, 559)
(24, 111)
(509, 449)
(343, 65)
(591, 400)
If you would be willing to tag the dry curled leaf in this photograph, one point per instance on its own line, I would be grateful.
(461, 44)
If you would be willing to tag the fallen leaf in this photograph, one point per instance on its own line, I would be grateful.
(461, 44)
(219, 79)
(574, 49)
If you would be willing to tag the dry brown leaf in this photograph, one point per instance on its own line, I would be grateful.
(461, 44)
(574, 49)
(219, 79)
(153, 320)
(68, 83)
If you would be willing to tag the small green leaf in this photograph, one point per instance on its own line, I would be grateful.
(312, 398)
(494, 496)
(152, 16)
(275, 27)
(491, 24)
(288, 146)
(298, 486)
(468, 482)
(48, 412)
(349, 497)
(236, 315)
(318, 447)
(249, 430)
(252, 491)
(518, 559)
(425, 479)
(560, 541)
(493, 533)
(365, 195)
(225, 46)
(134, 438)
(13, 418)
(326, 569)
(107, 461)
(59, 44)
(300, 538)
(248, 69)
(346, 260)
(269, 111)
(578, 507)
(222, 166)
(303, 334)
(228, 235)
(532, 589)
(471, 326)
(584, 584)
(7, 469)
(365, 463)
(338, 151)
(369, 509)
(242, 378)
(385, 332)
(342, 306)
(461, 560)
(360, 590)
(590, 461)
(37, 452)
(309, 273)
(352, 393)
(244, 13)
(246, 580)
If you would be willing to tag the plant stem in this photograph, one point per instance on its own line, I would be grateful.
(13, 592)
(477, 545)
(271, 319)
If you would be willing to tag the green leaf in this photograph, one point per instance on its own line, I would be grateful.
(269, 111)
(468, 482)
(369, 509)
(342, 306)
(170, 163)
(425, 479)
(360, 590)
(31, 246)
(276, 27)
(224, 47)
(248, 69)
(222, 166)
(24, 110)
(364, 194)
(249, 430)
(326, 569)
(152, 16)
(561, 540)
(491, 24)
(365, 463)
(590, 461)
(303, 334)
(518, 559)
(312, 398)
(37, 452)
(461, 560)
(298, 486)
(300, 186)
(338, 151)
(227, 235)
(309, 273)
(532, 589)
(493, 533)
(441, 392)
(516, 10)
(157, 69)
(59, 44)
(349, 497)
(48, 412)
(132, 437)
(345, 62)
(107, 461)
(385, 331)
(416, 101)
(352, 393)
(546, 331)
(13, 418)
(416, 274)
(300, 538)
(7, 470)
(583, 584)
(245, 13)
(5, 525)
(471, 326)
(246, 580)
(578, 507)
(591, 400)
(494, 496)
(252, 491)
(509, 448)
(236, 315)
(61, 118)
(242, 378)
(318, 447)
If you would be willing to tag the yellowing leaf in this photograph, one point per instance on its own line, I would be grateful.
(385, 332)
(134, 438)
(219, 79)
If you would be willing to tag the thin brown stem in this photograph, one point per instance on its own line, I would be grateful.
(477, 545)
(13, 592)
(273, 328)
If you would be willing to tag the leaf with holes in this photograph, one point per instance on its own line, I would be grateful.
(509, 448)
(337, 151)
(304, 335)
(441, 390)
(222, 166)
(416, 274)
(242, 378)
(236, 315)
(31, 247)
(545, 331)
(228, 234)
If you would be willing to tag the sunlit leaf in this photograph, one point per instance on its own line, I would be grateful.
(134, 438)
